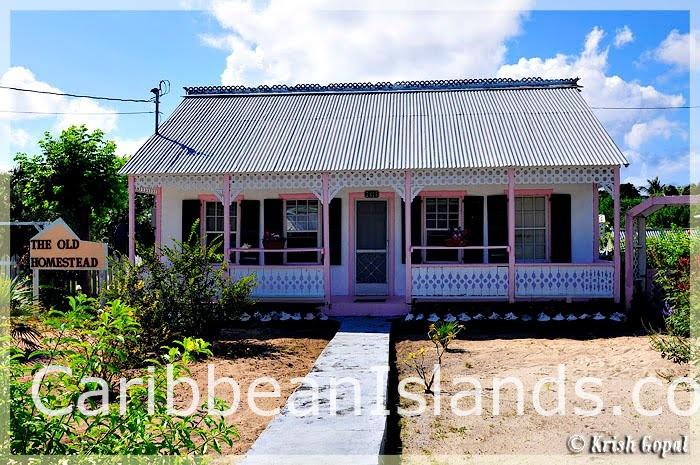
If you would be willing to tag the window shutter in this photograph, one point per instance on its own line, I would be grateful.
(335, 227)
(560, 228)
(273, 221)
(497, 210)
(474, 226)
(250, 230)
(416, 229)
(191, 209)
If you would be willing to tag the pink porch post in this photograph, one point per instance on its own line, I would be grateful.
(325, 199)
(227, 219)
(616, 237)
(159, 218)
(132, 219)
(408, 187)
(596, 224)
(511, 235)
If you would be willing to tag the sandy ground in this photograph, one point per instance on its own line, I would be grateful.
(618, 361)
(247, 354)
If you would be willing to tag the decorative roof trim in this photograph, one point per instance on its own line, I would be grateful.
(401, 86)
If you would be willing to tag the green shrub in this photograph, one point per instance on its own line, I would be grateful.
(17, 293)
(96, 346)
(671, 255)
(180, 293)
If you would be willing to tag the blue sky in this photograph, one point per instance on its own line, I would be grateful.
(624, 59)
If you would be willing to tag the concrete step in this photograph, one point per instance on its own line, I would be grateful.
(382, 307)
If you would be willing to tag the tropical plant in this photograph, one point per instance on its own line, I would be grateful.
(17, 294)
(92, 348)
(441, 334)
(180, 292)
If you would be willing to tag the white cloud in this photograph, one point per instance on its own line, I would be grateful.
(677, 49)
(292, 41)
(599, 88)
(645, 131)
(19, 137)
(623, 36)
(20, 77)
(129, 146)
(670, 169)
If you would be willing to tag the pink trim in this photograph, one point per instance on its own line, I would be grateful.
(299, 196)
(227, 218)
(326, 237)
(465, 247)
(408, 187)
(389, 197)
(207, 198)
(531, 192)
(262, 249)
(596, 224)
(159, 218)
(443, 194)
(202, 220)
(602, 264)
(132, 219)
(459, 265)
(548, 227)
(616, 250)
(511, 234)
(239, 198)
(273, 267)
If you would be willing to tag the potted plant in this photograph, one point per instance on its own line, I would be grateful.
(458, 238)
(273, 241)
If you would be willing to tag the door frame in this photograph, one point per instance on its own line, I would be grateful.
(353, 197)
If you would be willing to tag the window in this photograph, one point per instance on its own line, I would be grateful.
(301, 226)
(442, 216)
(530, 229)
(214, 223)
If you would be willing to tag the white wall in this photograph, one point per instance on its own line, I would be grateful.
(581, 227)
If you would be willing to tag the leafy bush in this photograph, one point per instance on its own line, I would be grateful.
(671, 255)
(179, 293)
(96, 346)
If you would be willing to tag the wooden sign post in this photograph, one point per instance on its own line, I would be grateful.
(58, 248)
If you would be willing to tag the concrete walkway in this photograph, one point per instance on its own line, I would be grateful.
(359, 350)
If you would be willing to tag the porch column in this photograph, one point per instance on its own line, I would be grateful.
(596, 224)
(616, 214)
(629, 271)
(408, 187)
(326, 201)
(159, 218)
(511, 235)
(132, 219)
(227, 219)
(641, 254)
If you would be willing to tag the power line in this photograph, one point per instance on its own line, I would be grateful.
(78, 113)
(647, 108)
(113, 99)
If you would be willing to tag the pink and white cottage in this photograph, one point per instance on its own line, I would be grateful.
(369, 197)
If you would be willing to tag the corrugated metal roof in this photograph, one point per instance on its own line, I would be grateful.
(443, 124)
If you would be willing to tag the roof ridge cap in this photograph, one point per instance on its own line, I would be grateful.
(359, 87)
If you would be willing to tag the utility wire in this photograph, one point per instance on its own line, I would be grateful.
(78, 113)
(646, 108)
(114, 99)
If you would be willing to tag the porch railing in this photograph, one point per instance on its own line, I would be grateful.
(565, 280)
(283, 281)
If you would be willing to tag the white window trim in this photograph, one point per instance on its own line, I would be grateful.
(424, 228)
(318, 231)
(547, 230)
(234, 227)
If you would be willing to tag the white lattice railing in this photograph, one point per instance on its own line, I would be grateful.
(564, 280)
(452, 281)
(283, 281)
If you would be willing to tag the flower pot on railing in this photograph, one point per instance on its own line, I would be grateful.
(273, 244)
(453, 242)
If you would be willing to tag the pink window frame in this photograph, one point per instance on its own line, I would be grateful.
(203, 213)
(547, 194)
(459, 195)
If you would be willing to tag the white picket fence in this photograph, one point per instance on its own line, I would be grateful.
(8, 266)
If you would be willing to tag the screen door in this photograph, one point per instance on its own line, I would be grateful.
(371, 248)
